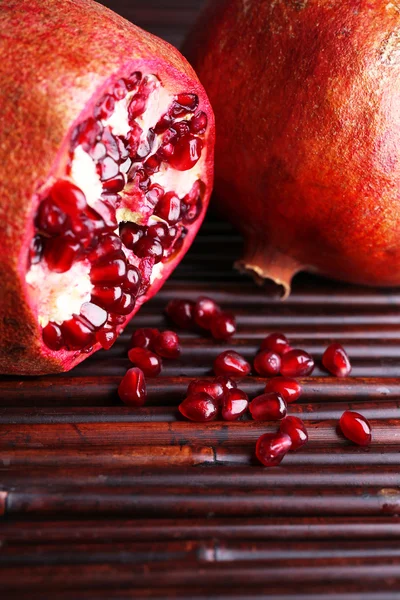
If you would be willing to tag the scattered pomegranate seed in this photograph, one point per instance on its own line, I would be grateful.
(167, 345)
(199, 408)
(132, 389)
(289, 389)
(227, 384)
(296, 430)
(146, 360)
(268, 407)
(213, 388)
(204, 312)
(336, 360)
(272, 447)
(276, 342)
(52, 336)
(355, 428)
(144, 338)
(267, 363)
(231, 363)
(223, 326)
(181, 313)
(234, 405)
(297, 363)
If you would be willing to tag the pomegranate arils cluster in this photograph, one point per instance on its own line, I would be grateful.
(103, 229)
(205, 313)
(220, 392)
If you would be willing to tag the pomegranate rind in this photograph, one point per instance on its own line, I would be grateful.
(69, 54)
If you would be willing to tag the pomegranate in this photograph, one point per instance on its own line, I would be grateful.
(204, 312)
(167, 345)
(144, 338)
(268, 407)
(234, 405)
(289, 389)
(267, 363)
(297, 363)
(355, 428)
(271, 448)
(200, 408)
(181, 312)
(276, 342)
(336, 361)
(296, 430)
(132, 389)
(146, 360)
(231, 363)
(308, 134)
(213, 388)
(107, 166)
(223, 326)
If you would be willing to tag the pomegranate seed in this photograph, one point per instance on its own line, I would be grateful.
(191, 212)
(106, 297)
(125, 305)
(297, 363)
(87, 133)
(268, 407)
(120, 89)
(114, 185)
(169, 208)
(144, 338)
(200, 408)
(179, 130)
(149, 247)
(227, 384)
(68, 197)
(105, 107)
(113, 271)
(108, 246)
(106, 338)
(108, 215)
(133, 81)
(223, 326)
(145, 146)
(289, 389)
(181, 313)
(187, 153)
(188, 101)
(166, 151)
(137, 106)
(272, 447)
(107, 169)
(93, 314)
(213, 388)
(130, 234)
(52, 336)
(267, 363)
(234, 405)
(355, 428)
(276, 342)
(159, 232)
(132, 281)
(204, 312)
(231, 363)
(336, 360)
(198, 123)
(296, 430)
(111, 144)
(61, 253)
(77, 334)
(147, 361)
(152, 164)
(167, 345)
(50, 218)
(132, 389)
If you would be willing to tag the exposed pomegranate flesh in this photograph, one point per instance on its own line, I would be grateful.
(167, 344)
(276, 342)
(234, 405)
(271, 448)
(296, 430)
(113, 201)
(204, 311)
(144, 338)
(296, 363)
(230, 363)
(267, 363)
(145, 360)
(181, 312)
(356, 428)
(289, 389)
(223, 326)
(336, 361)
(132, 389)
(199, 407)
(268, 407)
(213, 388)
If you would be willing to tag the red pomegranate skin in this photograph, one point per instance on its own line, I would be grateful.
(308, 145)
(68, 53)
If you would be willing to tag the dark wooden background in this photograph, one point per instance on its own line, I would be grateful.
(101, 502)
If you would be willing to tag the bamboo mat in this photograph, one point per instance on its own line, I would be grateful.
(98, 501)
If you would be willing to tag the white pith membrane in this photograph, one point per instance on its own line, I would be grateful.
(78, 302)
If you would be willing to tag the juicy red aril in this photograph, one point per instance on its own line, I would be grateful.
(50, 218)
(289, 389)
(179, 130)
(187, 153)
(169, 208)
(52, 336)
(113, 271)
(204, 312)
(133, 81)
(181, 313)
(111, 144)
(272, 447)
(149, 247)
(120, 89)
(336, 361)
(106, 297)
(234, 405)
(137, 106)
(132, 389)
(106, 338)
(159, 232)
(107, 169)
(188, 101)
(167, 345)
(198, 123)
(223, 326)
(132, 280)
(125, 304)
(77, 334)
(68, 197)
(355, 428)
(200, 408)
(108, 246)
(231, 363)
(152, 164)
(115, 184)
(93, 314)
(87, 133)
(105, 107)
(267, 363)
(276, 342)
(213, 388)
(227, 383)
(144, 338)
(61, 252)
(296, 430)
(296, 363)
(130, 234)
(268, 407)
(147, 361)
(165, 152)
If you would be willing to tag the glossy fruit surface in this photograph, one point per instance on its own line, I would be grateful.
(356, 428)
(297, 363)
(276, 342)
(288, 388)
(200, 408)
(296, 430)
(268, 407)
(267, 363)
(271, 448)
(132, 389)
(336, 361)
(167, 344)
(146, 360)
(231, 364)
(234, 404)
(212, 387)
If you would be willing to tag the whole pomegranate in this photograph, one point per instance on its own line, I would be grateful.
(307, 106)
(106, 167)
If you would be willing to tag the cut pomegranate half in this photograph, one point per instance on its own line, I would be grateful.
(108, 189)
